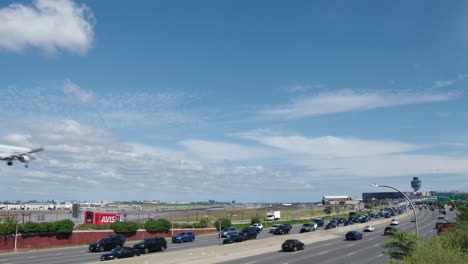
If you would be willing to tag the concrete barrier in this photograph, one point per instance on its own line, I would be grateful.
(219, 254)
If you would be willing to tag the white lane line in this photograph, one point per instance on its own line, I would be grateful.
(58, 254)
(352, 253)
(251, 262)
(380, 255)
(328, 244)
(372, 238)
(3, 260)
(376, 245)
(321, 253)
(350, 245)
(30, 257)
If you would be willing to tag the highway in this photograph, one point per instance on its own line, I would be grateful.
(330, 251)
(337, 251)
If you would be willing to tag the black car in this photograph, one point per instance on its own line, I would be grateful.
(249, 232)
(353, 235)
(292, 245)
(234, 239)
(107, 243)
(364, 220)
(151, 244)
(330, 225)
(319, 221)
(122, 252)
(349, 222)
(281, 230)
(390, 230)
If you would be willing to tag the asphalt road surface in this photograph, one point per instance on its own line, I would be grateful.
(338, 251)
(332, 251)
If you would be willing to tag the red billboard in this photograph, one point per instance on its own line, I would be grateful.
(99, 218)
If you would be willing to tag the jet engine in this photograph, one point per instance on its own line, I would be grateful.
(24, 158)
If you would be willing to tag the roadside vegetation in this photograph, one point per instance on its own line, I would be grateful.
(450, 246)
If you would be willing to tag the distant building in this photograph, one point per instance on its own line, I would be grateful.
(339, 200)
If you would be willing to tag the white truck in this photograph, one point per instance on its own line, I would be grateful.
(273, 215)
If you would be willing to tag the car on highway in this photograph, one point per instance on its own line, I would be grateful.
(394, 222)
(353, 235)
(319, 221)
(281, 230)
(307, 227)
(330, 225)
(121, 252)
(228, 231)
(107, 243)
(390, 230)
(258, 226)
(369, 228)
(249, 232)
(440, 216)
(364, 220)
(183, 237)
(273, 228)
(151, 244)
(234, 239)
(349, 222)
(292, 245)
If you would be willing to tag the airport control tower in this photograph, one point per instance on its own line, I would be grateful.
(416, 184)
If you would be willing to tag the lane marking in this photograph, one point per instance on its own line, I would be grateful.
(352, 253)
(376, 245)
(350, 245)
(321, 253)
(381, 255)
(372, 238)
(251, 262)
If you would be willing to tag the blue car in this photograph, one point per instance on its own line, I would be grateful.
(353, 235)
(183, 237)
(228, 231)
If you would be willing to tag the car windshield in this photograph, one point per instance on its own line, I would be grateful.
(116, 250)
(290, 241)
(274, 225)
(306, 225)
(182, 234)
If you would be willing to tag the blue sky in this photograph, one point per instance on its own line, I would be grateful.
(259, 101)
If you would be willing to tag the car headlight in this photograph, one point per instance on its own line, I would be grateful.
(97, 245)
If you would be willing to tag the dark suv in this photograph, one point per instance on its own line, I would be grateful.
(249, 232)
(107, 243)
(319, 221)
(151, 244)
(281, 230)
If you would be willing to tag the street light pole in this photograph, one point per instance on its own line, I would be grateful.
(407, 198)
(219, 234)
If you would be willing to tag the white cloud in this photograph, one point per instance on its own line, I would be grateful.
(445, 83)
(72, 89)
(386, 165)
(48, 25)
(345, 101)
(219, 151)
(330, 146)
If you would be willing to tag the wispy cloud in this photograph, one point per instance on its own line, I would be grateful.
(72, 89)
(330, 146)
(445, 83)
(219, 151)
(49, 25)
(345, 101)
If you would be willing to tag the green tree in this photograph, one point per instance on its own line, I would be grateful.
(224, 223)
(47, 227)
(255, 220)
(8, 225)
(202, 224)
(30, 228)
(368, 206)
(158, 225)
(401, 244)
(328, 210)
(64, 226)
(124, 227)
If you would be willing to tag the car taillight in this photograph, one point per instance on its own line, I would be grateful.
(291, 245)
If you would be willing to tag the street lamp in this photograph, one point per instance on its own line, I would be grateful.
(15, 249)
(412, 206)
(456, 208)
(219, 235)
